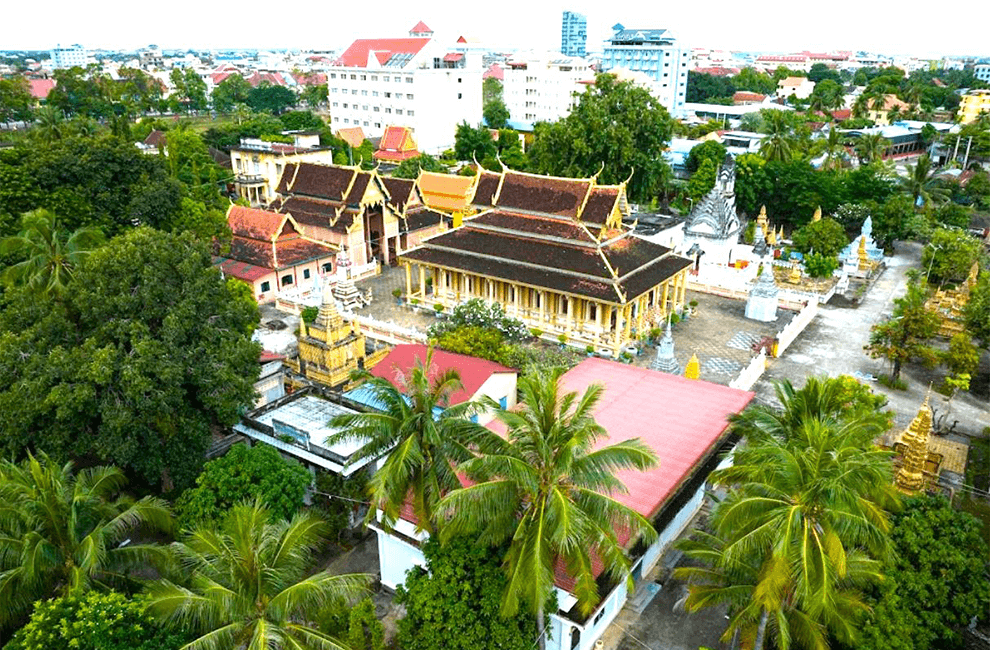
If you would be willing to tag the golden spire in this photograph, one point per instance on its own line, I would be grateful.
(864, 260)
(302, 326)
(818, 215)
(780, 235)
(910, 477)
(772, 237)
(762, 219)
(693, 368)
(795, 276)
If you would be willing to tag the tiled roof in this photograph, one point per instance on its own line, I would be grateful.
(547, 194)
(353, 136)
(323, 181)
(254, 224)
(600, 204)
(484, 193)
(155, 138)
(400, 191)
(422, 217)
(240, 270)
(358, 187)
(252, 251)
(295, 251)
(420, 28)
(452, 57)
(310, 78)
(540, 226)
(494, 71)
(445, 191)
(474, 372)
(356, 56)
(397, 144)
(41, 87)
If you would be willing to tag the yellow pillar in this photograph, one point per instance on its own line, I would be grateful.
(408, 281)
(543, 301)
(515, 299)
(663, 303)
(458, 279)
(599, 307)
(422, 282)
(627, 320)
(569, 305)
(618, 327)
(640, 312)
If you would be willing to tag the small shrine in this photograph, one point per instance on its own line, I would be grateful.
(862, 254)
(665, 361)
(693, 368)
(925, 462)
(761, 304)
(330, 348)
(950, 304)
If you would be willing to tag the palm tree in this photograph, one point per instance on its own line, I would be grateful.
(63, 532)
(423, 435)
(861, 106)
(871, 147)
(921, 184)
(247, 585)
(547, 487)
(834, 149)
(779, 143)
(51, 123)
(761, 608)
(51, 256)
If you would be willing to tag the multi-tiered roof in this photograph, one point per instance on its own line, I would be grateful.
(561, 234)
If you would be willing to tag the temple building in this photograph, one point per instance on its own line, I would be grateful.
(714, 226)
(448, 193)
(270, 251)
(397, 144)
(950, 304)
(354, 209)
(330, 348)
(555, 254)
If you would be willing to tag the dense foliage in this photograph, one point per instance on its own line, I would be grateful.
(826, 237)
(150, 350)
(950, 255)
(479, 313)
(258, 472)
(94, 621)
(616, 128)
(455, 601)
(936, 580)
(906, 336)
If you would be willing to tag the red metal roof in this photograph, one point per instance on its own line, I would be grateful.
(494, 71)
(356, 56)
(420, 28)
(473, 371)
(452, 57)
(41, 87)
(267, 356)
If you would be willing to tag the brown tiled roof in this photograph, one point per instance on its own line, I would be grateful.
(358, 188)
(600, 204)
(309, 211)
(484, 193)
(254, 224)
(536, 225)
(295, 251)
(283, 183)
(252, 251)
(399, 191)
(422, 217)
(547, 194)
(645, 279)
(323, 181)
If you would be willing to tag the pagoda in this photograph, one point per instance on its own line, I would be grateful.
(330, 348)
(761, 304)
(910, 477)
(665, 361)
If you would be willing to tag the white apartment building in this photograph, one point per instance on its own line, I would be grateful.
(982, 71)
(417, 82)
(541, 86)
(69, 56)
(657, 54)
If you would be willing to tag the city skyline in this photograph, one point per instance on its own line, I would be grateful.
(846, 26)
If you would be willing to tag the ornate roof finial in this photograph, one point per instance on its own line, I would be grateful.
(628, 180)
(601, 168)
(818, 215)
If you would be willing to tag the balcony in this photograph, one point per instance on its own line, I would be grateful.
(251, 179)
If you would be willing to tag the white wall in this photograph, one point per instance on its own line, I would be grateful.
(544, 90)
(396, 558)
(499, 385)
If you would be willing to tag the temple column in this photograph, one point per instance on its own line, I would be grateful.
(515, 300)
(627, 322)
(683, 276)
(408, 280)
(569, 304)
(663, 302)
(640, 309)
(458, 279)
(422, 283)
(599, 308)
(541, 296)
(618, 328)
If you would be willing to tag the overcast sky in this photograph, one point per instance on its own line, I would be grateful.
(905, 27)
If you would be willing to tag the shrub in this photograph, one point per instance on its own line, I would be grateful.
(396, 292)
(890, 382)
(562, 338)
(438, 307)
(309, 314)
(244, 473)
(820, 266)
(414, 301)
(826, 237)
(478, 313)
(365, 631)
(590, 349)
(536, 332)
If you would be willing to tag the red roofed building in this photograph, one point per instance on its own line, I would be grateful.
(717, 71)
(479, 377)
(41, 87)
(690, 441)
(380, 82)
(744, 97)
(495, 71)
(270, 252)
(396, 145)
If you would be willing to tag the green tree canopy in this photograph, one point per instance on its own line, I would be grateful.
(271, 98)
(94, 621)
(189, 89)
(251, 584)
(61, 531)
(820, 72)
(703, 179)
(950, 255)
(454, 602)
(15, 99)
(617, 128)
(825, 236)
(81, 91)
(231, 91)
(707, 150)
(258, 472)
(702, 87)
(150, 352)
(978, 310)
(412, 167)
(935, 580)
(472, 143)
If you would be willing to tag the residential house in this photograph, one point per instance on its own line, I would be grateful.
(258, 164)
(972, 104)
(800, 87)
(270, 251)
(881, 115)
(690, 441)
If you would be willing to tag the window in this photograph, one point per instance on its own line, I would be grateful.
(376, 109)
(378, 125)
(266, 287)
(460, 95)
(286, 280)
(335, 104)
(366, 122)
(345, 104)
(346, 121)
(503, 402)
(385, 78)
(327, 267)
(354, 91)
(333, 90)
(410, 113)
(364, 92)
(305, 274)
(388, 110)
(364, 77)
(599, 617)
(398, 111)
(374, 93)
(333, 75)
(353, 76)
(409, 96)
(408, 80)
(388, 95)
(458, 80)
(374, 77)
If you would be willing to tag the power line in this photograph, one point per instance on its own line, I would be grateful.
(342, 498)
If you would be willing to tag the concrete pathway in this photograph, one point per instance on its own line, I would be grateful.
(833, 345)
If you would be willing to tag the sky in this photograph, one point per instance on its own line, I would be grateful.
(905, 27)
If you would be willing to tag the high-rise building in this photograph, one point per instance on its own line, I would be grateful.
(543, 86)
(574, 34)
(69, 57)
(655, 53)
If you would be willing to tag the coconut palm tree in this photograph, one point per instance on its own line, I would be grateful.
(861, 106)
(250, 585)
(871, 148)
(50, 255)
(51, 124)
(834, 148)
(423, 435)
(63, 532)
(921, 184)
(779, 144)
(547, 488)
(759, 601)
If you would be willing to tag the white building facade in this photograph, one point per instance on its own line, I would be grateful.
(541, 87)
(69, 56)
(655, 53)
(417, 82)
